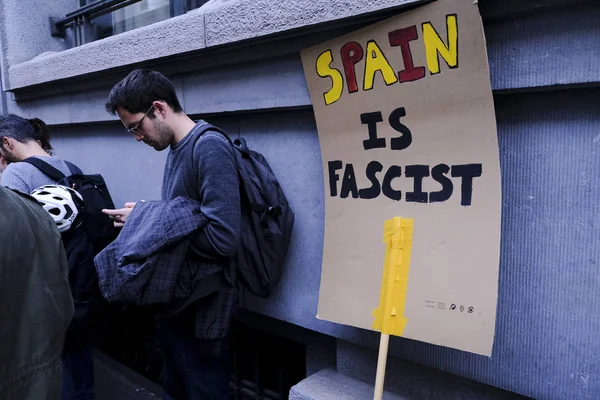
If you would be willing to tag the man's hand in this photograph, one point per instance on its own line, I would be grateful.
(119, 216)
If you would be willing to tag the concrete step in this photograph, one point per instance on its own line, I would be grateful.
(328, 384)
(115, 381)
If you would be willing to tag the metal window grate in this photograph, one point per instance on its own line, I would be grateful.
(264, 365)
(88, 23)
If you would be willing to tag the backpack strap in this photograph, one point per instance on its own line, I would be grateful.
(239, 143)
(208, 127)
(45, 168)
(72, 167)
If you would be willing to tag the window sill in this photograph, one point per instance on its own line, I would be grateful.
(217, 23)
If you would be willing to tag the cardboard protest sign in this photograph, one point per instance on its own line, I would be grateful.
(406, 124)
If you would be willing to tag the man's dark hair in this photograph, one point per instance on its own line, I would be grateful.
(138, 90)
(17, 128)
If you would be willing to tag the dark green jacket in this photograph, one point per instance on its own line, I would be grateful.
(35, 301)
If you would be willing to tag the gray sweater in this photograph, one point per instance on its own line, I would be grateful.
(204, 170)
(26, 178)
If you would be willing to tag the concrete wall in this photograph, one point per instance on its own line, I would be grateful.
(25, 30)
(544, 68)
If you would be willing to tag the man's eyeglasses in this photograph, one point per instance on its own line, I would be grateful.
(135, 130)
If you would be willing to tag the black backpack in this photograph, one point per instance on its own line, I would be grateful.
(267, 220)
(81, 246)
(99, 226)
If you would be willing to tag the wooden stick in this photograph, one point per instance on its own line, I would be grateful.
(381, 362)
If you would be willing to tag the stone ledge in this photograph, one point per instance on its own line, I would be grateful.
(227, 22)
(230, 21)
(328, 384)
(165, 38)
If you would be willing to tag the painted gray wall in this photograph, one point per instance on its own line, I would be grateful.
(132, 171)
(545, 48)
(547, 332)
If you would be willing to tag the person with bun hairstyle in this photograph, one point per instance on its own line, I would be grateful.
(22, 139)
(41, 134)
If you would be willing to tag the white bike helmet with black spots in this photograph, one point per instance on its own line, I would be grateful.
(62, 203)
